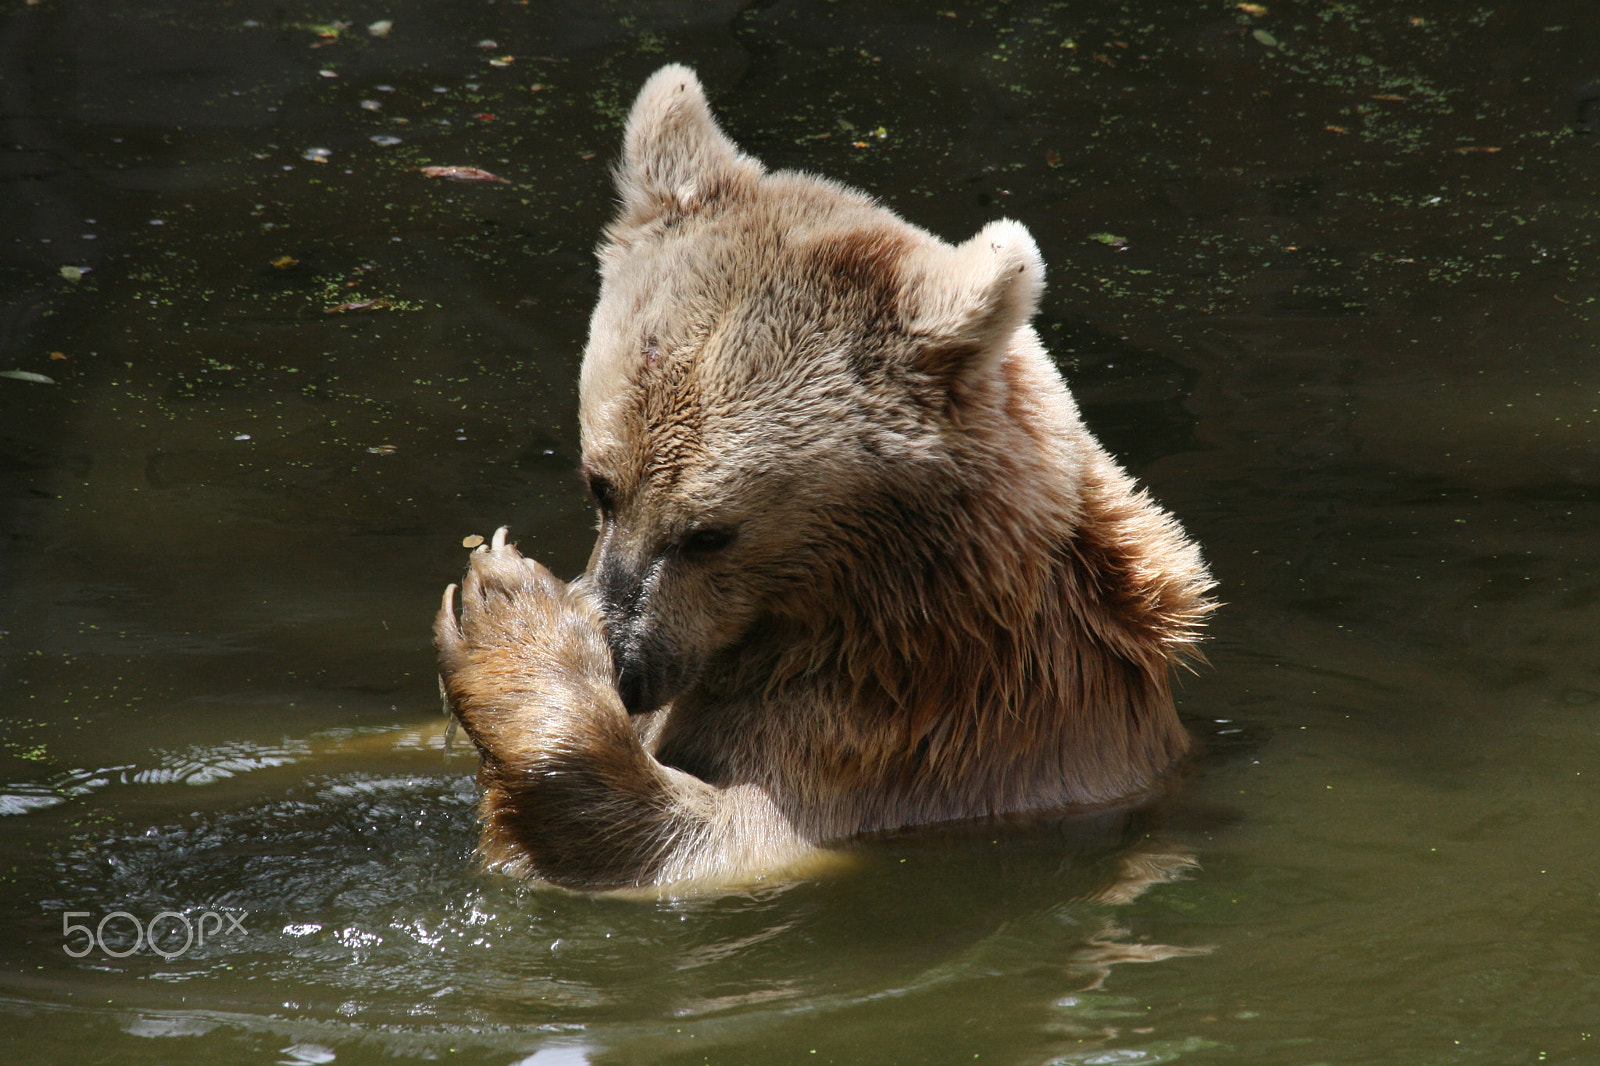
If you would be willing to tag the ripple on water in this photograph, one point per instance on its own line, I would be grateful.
(26, 798)
(358, 903)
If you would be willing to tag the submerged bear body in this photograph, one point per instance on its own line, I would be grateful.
(860, 564)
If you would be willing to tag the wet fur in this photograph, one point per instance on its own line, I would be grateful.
(929, 594)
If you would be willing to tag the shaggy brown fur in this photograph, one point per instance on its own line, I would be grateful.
(860, 564)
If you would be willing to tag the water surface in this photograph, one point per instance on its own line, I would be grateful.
(1325, 278)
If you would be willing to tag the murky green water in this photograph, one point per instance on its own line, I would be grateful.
(1326, 277)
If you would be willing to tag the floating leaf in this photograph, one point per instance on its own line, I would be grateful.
(1265, 38)
(329, 31)
(360, 305)
(1110, 240)
(462, 174)
(27, 375)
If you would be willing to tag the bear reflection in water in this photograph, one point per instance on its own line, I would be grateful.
(860, 564)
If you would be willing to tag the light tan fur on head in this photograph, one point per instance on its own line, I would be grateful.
(858, 554)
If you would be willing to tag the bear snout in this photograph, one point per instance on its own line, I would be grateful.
(625, 595)
(637, 687)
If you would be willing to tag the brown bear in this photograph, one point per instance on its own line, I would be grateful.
(860, 564)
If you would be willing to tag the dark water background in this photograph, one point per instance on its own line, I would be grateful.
(1325, 276)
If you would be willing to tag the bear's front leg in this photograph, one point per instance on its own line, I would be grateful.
(570, 794)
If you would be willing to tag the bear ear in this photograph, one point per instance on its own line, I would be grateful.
(675, 158)
(968, 301)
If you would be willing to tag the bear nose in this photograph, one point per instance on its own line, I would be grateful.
(623, 599)
(635, 687)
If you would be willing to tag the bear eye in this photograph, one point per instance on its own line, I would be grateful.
(707, 539)
(605, 496)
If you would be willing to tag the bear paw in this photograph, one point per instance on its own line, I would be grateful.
(525, 651)
(505, 599)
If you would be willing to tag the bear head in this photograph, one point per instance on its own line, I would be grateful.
(783, 382)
